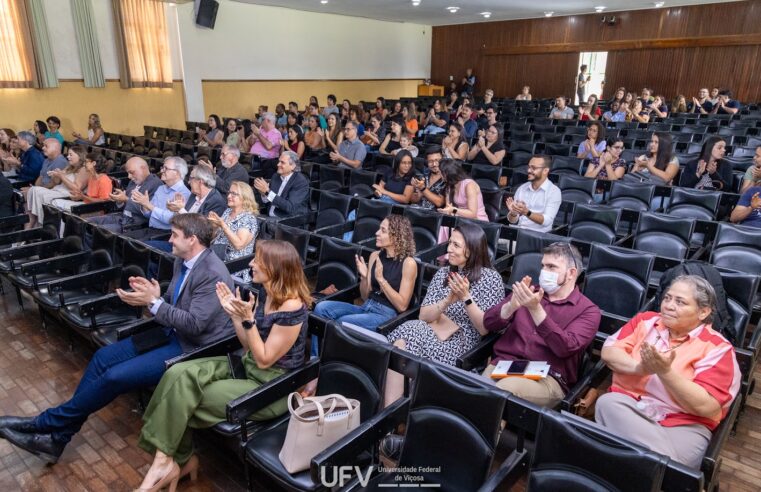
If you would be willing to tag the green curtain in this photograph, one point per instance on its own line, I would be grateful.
(87, 42)
(43, 54)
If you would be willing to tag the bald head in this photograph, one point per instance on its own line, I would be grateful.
(51, 147)
(137, 169)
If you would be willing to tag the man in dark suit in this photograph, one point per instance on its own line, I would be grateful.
(230, 170)
(190, 315)
(288, 192)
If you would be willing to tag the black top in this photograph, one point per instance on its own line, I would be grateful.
(6, 197)
(394, 183)
(296, 355)
(480, 158)
(393, 145)
(392, 272)
(720, 180)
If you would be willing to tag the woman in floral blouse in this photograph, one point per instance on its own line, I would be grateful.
(238, 227)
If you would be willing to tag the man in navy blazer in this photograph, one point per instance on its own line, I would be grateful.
(288, 192)
(204, 196)
(190, 317)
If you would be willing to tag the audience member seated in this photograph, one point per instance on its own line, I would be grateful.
(191, 314)
(386, 281)
(453, 105)
(156, 208)
(611, 112)
(295, 142)
(204, 197)
(99, 185)
(714, 96)
(281, 116)
(95, 134)
(679, 104)
(463, 195)
(8, 157)
(374, 134)
(536, 202)
(54, 159)
(131, 215)
(314, 138)
(54, 129)
(659, 165)
(469, 124)
(646, 96)
(454, 144)
(725, 103)
(6, 197)
(213, 137)
(487, 118)
(265, 141)
(674, 377)
(436, 119)
(231, 169)
(334, 134)
(590, 110)
(488, 96)
(395, 186)
(72, 178)
(552, 322)
(288, 191)
(525, 94)
(351, 153)
(709, 171)
(233, 131)
(410, 120)
(406, 143)
(753, 173)
(331, 108)
(39, 129)
(561, 111)
(637, 113)
(489, 148)
(609, 166)
(701, 104)
(658, 107)
(451, 320)
(31, 158)
(392, 141)
(618, 96)
(622, 113)
(237, 228)
(194, 394)
(594, 145)
(429, 191)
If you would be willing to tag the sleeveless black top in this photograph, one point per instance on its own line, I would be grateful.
(295, 357)
(392, 272)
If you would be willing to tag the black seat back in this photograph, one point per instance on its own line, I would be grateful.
(575, 455)
(594, 223)
(528, 254)
(337, 265)
(370, 214)
(492, 203)
(664, 235)
(617, 279)
(299, 238)
(566, 165)
(137, 254)
(487, 176)
(354, 366)
(425, 227)
(448, 407)
(332, 209)
(331, 178)
(737, 248)
(577, 189)
(633, 196)
(740, 289)
(361, 183)
(696, 204)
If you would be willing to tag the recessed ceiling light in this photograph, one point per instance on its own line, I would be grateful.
(599, 9)
(323, 2)
(658, 4)
(549, 13)
(486, 14)
(415, 3)
(453, 10)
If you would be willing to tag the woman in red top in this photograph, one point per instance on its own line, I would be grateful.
(590, 111)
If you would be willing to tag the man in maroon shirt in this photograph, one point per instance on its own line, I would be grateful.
(552, 322)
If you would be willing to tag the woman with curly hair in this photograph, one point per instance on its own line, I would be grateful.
(386, 281)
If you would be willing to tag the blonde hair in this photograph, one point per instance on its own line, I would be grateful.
(247, 197)
(97, 122)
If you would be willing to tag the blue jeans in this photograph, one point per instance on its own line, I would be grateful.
(112, 371)
(369, 315)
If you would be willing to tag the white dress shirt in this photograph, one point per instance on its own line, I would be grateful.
(545, 200)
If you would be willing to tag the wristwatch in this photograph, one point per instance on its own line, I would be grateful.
(248, 324)
(528, 214)
(468, 301)
(454, 211)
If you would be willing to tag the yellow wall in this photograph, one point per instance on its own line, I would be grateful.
(121, 110)
(242, 98)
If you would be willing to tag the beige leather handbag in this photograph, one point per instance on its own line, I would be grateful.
(316, 423)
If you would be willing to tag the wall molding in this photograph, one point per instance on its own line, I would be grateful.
(629, 44)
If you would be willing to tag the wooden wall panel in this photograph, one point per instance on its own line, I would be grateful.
(669, 70)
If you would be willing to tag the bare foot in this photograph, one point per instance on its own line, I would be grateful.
(310, 389)
(162, 466)
(330, 289)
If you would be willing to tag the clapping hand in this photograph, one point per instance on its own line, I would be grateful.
(215, 219)
(361, 266)
(234, 305)
(481, 142)
(701, 167)
(144, 291)
(459, 286)
(142, 199)
(379, 272)
(177, 203)
(261, 186)
(653, 362)
(380, 189)
(513, 305)
(711, 167)
(77, 195)
(755, 201)
(524, 296)
(335, 156)
(118, 196)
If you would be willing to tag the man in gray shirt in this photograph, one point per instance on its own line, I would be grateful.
(351, 152)
(561, 111)
(53, 160)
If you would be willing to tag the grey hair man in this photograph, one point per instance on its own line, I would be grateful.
(231, 169)
(31, 158)
(204, 197)
(288, 191)
(267, 138)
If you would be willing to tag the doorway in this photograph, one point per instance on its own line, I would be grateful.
(595, 61)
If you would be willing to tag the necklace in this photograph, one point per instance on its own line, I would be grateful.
(658, 337)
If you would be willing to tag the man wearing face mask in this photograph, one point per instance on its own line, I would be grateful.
(552, 322)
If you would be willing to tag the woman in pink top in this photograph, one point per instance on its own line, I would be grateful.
(463, 195)
(266, 139)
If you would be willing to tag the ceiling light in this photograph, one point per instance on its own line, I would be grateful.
(486, 14)
(415, 3)
(658, 4)
(599, 9)
(323, 2)
(453, 10)
(548, 13)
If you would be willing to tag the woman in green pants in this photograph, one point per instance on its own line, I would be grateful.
(194, 394)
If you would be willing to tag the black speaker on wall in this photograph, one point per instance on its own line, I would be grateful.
(207, 13)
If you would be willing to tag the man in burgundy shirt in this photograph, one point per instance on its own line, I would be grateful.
(553, 322)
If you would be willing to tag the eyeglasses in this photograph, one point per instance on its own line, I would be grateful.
(618, 147)
(233, 193)
(567, 247)
(433, 161)
(165, 169)
(532, 168)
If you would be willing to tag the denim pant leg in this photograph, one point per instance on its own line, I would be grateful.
(113, 370)
(332, 310)
(374, 314)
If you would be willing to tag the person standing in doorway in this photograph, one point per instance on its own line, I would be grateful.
(581, 83)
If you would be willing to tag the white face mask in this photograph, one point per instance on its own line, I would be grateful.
(548, 281)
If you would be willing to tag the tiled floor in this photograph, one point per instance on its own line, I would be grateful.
(38, 370)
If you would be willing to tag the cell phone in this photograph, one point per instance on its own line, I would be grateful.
(419, 177)
(236, 367)
(518, 367)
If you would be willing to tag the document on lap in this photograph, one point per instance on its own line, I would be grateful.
(535, 370)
